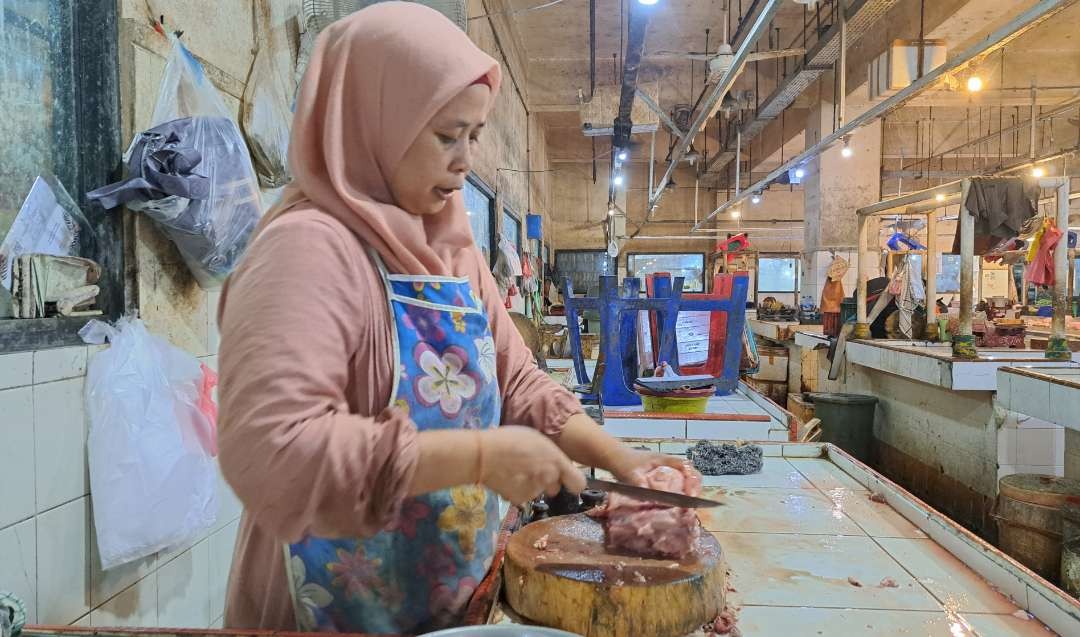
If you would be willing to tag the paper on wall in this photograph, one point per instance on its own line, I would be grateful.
(41, 227)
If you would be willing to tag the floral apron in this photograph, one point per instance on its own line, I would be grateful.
(419, 573)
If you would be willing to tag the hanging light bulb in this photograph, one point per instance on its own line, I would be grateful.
(847, 151)
(647, 3)
(800, 173)
(1038, 172)
(974, 84)
(618, 181)
(939, 197)
(735, 214)
(622, 155)
(755, 198)
(611, 212)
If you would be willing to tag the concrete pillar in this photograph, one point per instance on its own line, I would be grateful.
(834, 186)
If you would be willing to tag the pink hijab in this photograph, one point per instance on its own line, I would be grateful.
(375, 79)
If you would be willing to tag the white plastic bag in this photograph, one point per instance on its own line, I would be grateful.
(153, 480)
(266, 112)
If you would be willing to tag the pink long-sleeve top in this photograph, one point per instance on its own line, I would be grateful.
(307, 440)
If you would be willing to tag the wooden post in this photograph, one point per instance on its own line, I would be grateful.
(862, 327)
(1057, 346)
(963, 341)
(930, 259)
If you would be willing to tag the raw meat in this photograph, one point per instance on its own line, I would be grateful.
(650, 529)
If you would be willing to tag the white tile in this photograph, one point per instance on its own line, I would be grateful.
(16, 370)
(1064, 404)
(803, 511)
(645, 428)
(803, 450)
(1035, 447)
(767, 621)
(1007, 451)
(776, 473)
(18, 564)
(727, 430)
(946, 577)
(134, 607)
(1058, 453)
(772, 450)
(779, 435)
(58, 364)
(16, 454)
(183, 587)
(60, 443)
(877, 519)
(82, 622)
(218, 623)
(104, 585)
(978, 559)
(63, 539)
(816, 570)
(1029, 396)
(674, 448)
(1052, 612)
(222, 544)
(823, 474)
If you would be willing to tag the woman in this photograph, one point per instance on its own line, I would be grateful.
(367, 362)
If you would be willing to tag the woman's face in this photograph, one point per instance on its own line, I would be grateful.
(436, 164)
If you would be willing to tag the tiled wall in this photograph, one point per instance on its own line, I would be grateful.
(1030, 445)
(48, 551)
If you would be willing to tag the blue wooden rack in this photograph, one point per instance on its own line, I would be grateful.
(618, 310)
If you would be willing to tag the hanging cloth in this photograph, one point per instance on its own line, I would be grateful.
(910, 294)
(1041, 270)
(1001, 206)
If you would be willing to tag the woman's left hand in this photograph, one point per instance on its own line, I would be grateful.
(631, 465)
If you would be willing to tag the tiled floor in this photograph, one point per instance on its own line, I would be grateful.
(810, 554)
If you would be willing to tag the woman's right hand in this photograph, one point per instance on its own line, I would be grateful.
(519, 463)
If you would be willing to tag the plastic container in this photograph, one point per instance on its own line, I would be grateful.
(847, 421)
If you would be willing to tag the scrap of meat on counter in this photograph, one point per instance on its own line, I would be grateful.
(650, 529)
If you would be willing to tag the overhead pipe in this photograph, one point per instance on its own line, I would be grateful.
(592, 49)
(996, 40)
(635, 50)
(759, 27)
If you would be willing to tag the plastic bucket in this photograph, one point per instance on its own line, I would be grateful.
(847, 421)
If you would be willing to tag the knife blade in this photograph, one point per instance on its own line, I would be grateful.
(652, 495)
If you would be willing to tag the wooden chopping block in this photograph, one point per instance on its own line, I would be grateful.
(575, 584)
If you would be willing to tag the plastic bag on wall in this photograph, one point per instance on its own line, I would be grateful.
(266, 113)
(191, 172)
(151, 446)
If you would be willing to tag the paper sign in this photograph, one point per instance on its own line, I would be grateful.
(692, 334)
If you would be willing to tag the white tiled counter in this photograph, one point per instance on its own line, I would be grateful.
(934, 363)
(1047, 393)
(809, 551)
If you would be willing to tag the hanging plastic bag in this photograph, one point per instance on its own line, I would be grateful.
(151, 444)
(191, 173)
(266, 113)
